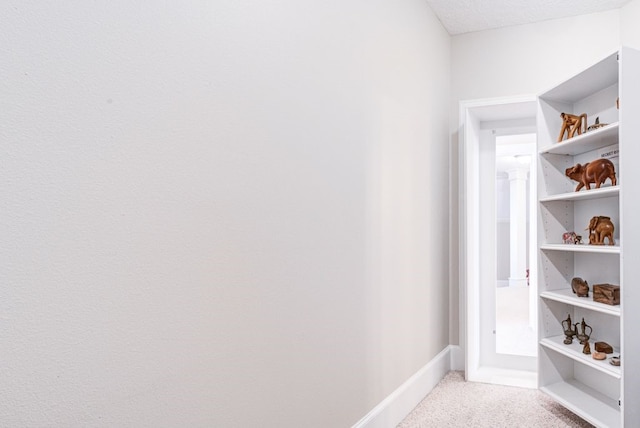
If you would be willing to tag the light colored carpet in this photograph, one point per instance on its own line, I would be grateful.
(456, 403)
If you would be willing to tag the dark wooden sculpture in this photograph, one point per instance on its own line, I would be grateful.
(604, 347)
(571, 124)
(569, 330)
(592, 172)
(584, 332)
(600, 227)
(580, 287)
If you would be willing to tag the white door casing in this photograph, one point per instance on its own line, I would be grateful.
(481, 121)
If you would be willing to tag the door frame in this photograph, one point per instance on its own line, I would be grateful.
(472, 113)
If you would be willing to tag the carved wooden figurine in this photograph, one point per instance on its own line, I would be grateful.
(596, 125)
(569, 330)
(600, 227)
(584, 333)
(580, 287)
(592, 172)
(604, 347)
(571, 124)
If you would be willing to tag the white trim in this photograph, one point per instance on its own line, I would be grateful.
(393, 409)
(472, 113)
(457, 358)
(497, 376)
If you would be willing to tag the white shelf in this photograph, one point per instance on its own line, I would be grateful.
(574, 351)
(603, 192)
(590, 388)
(582, 248)
(585, 402)
(597, 77)
(590, 140)
(567, 296)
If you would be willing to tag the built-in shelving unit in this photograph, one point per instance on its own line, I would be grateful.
(571, 248)
(566, 295)
(603, 192)
(601, 137)
(601, 393)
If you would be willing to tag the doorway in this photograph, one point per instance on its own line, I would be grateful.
(515, 251)
(498, 156)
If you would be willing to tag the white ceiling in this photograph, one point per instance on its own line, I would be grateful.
(464, 16)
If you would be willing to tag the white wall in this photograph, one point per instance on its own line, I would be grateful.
(514, 61)
(629, 28)
(528, 59)
(225, 213)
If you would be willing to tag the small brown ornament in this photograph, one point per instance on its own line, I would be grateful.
(580, 287)
(604, 347)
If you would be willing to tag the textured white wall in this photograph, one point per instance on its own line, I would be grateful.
(227, 213)
(514, 61)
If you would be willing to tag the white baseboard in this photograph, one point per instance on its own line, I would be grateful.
(457, 358)
(507, 377)
(393, 409)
